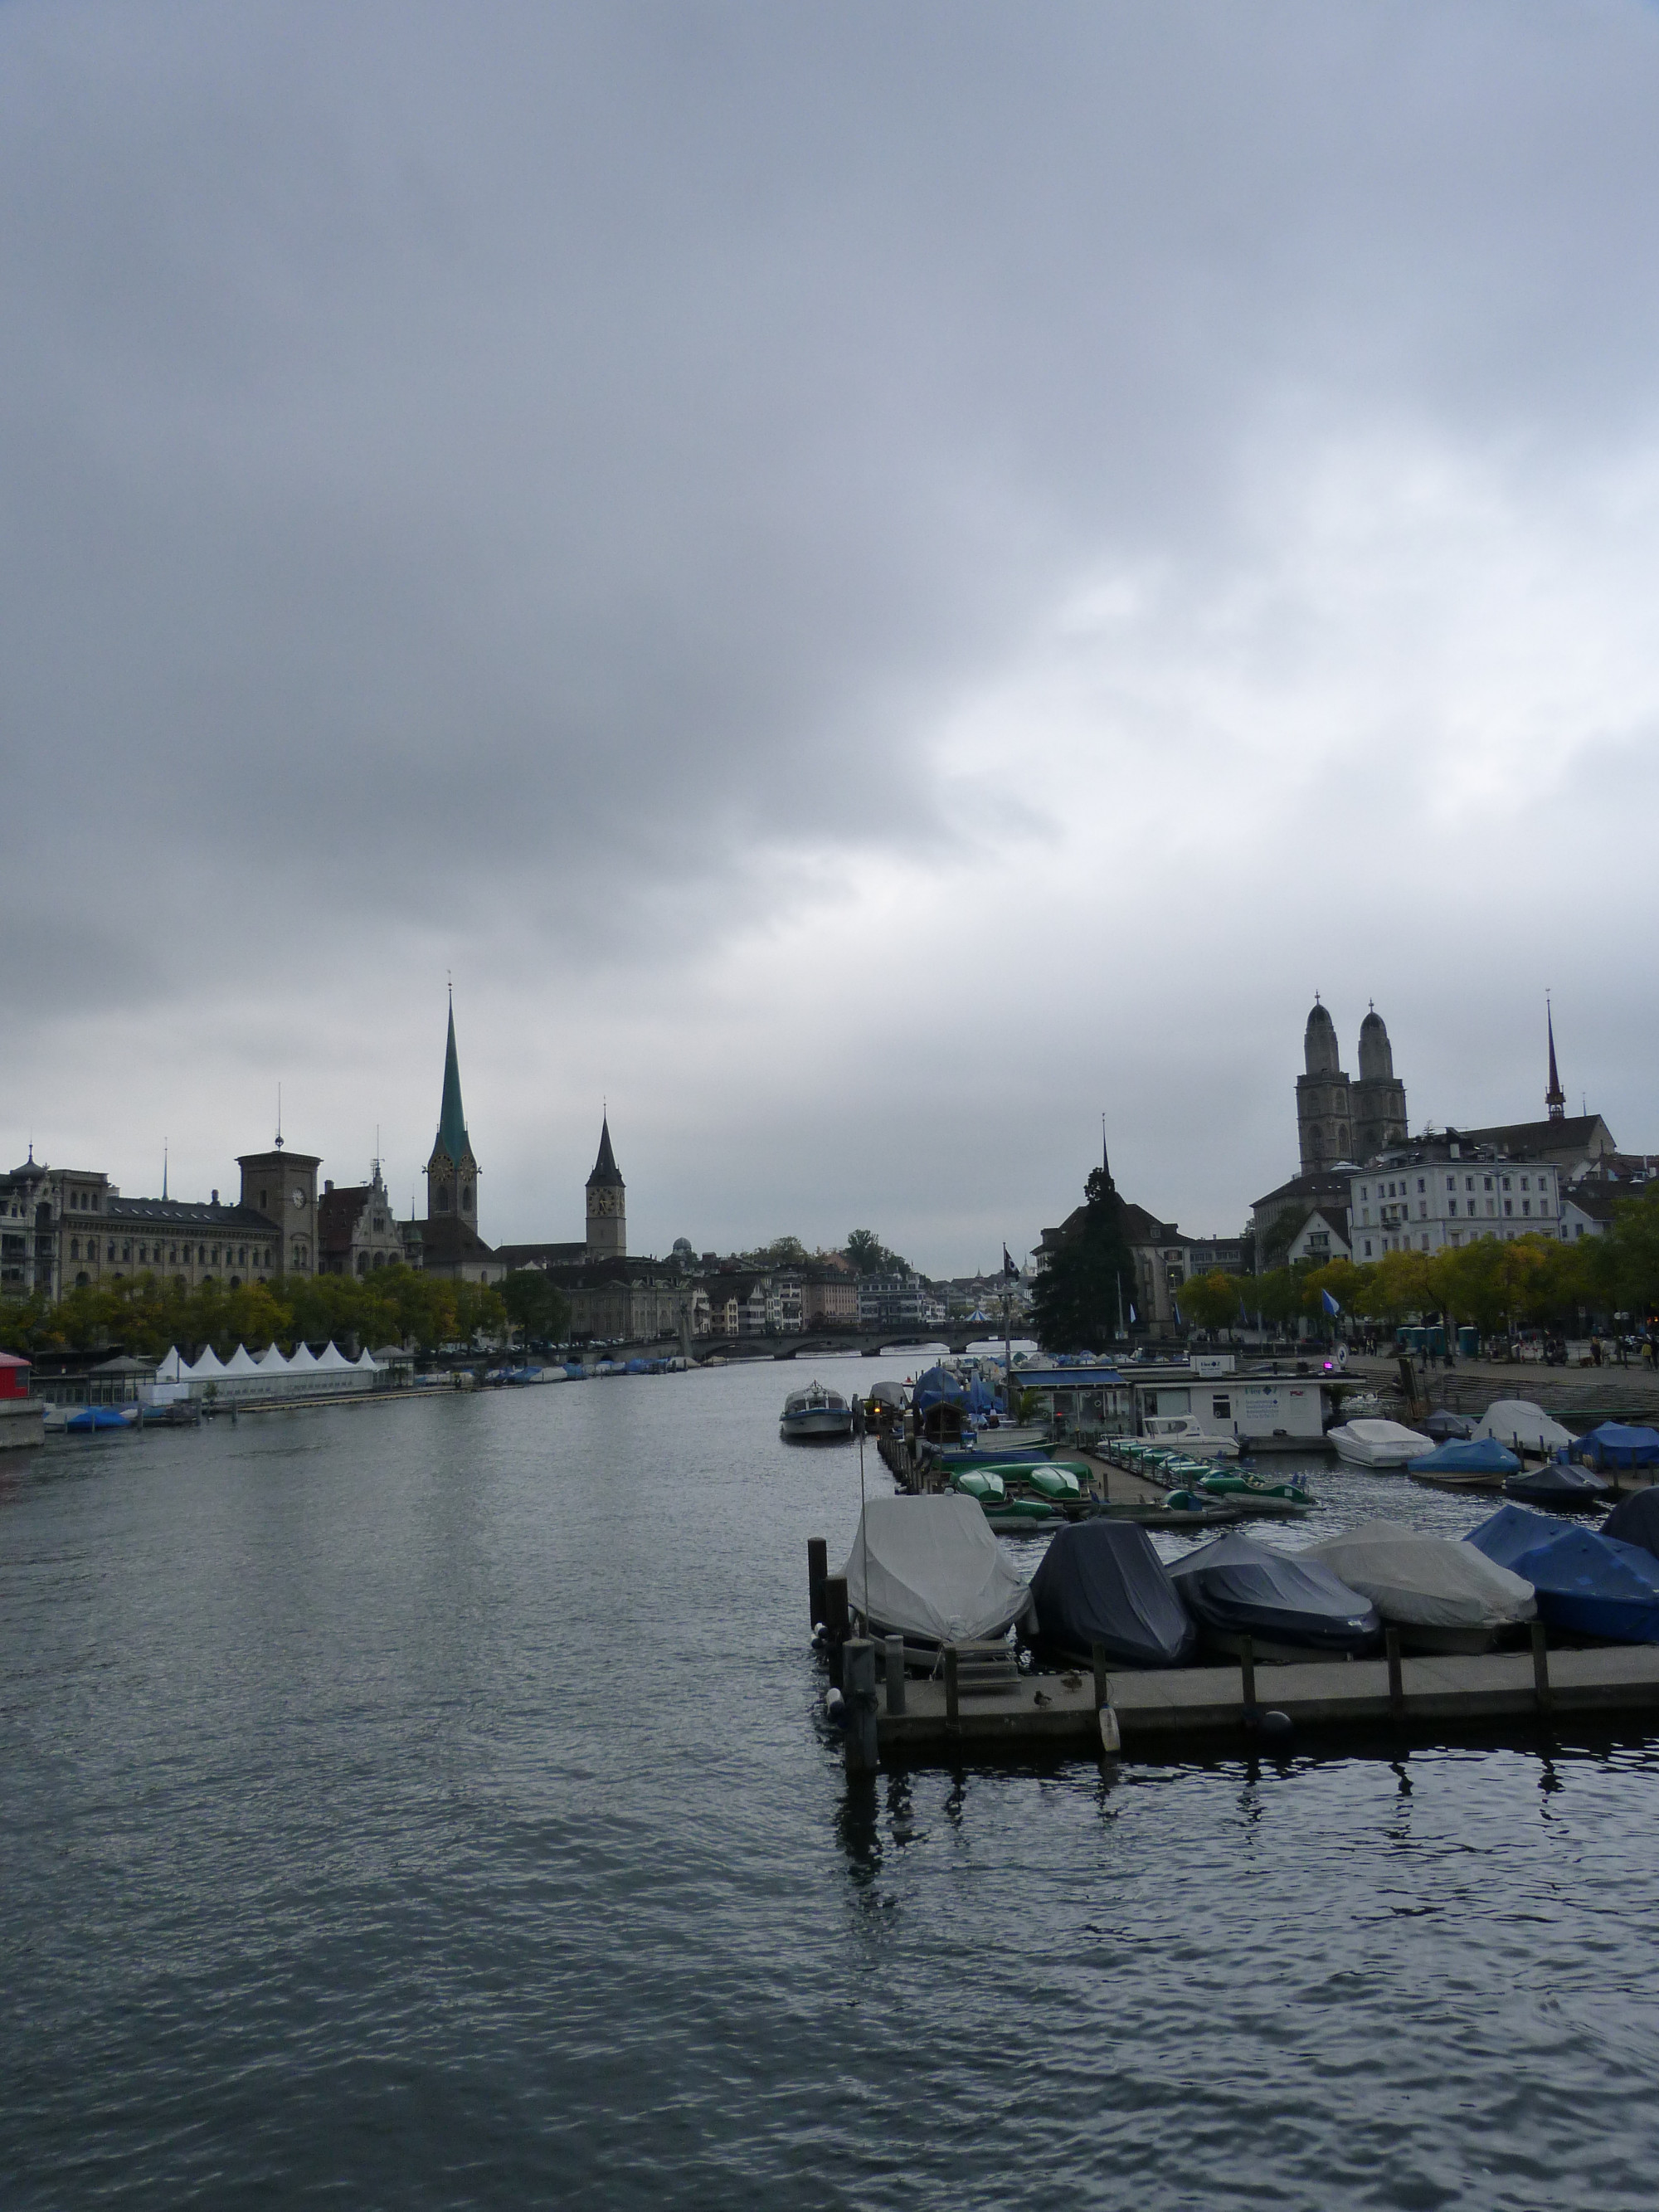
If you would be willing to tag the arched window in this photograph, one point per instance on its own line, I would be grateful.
(379, 1259)
(443, 1198)
(362, 1263)
(81, 1279)
(235, 1282)
(466, 1198)
(75, 1247)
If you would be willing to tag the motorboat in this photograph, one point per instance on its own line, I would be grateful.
(1560, 1484)
(1101, 1582)
(1614, 1445)
(1378, 1444)
(1478, 1464)
(1289, 1605)
(1449, 1428)
(930, 1569)
(816, 1412)
(1586, 1581)
(1185, 1432)
(1442, 1595)
(1249, 1485)
(1635, 1521)
(90, 1418)
(1524, 1427)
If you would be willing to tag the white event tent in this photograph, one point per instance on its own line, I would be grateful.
(268, 1380)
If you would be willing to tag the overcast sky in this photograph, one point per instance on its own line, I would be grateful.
(875, 582)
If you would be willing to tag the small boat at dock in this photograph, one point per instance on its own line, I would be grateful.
(1381, 1446)
(1101, 1582)
(1565, 1488)
(1478, 1464)
(1287, 1604)
(1591, 1584)
(931, 1570)
(1441, 1595)
(815, 1413)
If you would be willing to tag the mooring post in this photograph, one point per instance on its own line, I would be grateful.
(1247, 1669)
(858, 1680)
(1396, 1682)
(1102, 1682)
(1540, 1666)
(894, 1651)
(834, 1607)
(951, 1709)
(818, 1573)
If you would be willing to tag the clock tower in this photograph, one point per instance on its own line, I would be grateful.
(607, 1206)
(452, 1173)
(282, 1186)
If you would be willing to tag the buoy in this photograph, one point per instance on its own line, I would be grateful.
(1276, 1723)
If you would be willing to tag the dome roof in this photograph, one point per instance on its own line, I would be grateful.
(1319, 1043)
(1376, 1053)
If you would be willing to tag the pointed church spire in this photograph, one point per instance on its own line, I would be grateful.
(606, 1170)
(452, 1119)
(1555, 1098)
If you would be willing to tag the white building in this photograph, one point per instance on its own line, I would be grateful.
(1438, 1196)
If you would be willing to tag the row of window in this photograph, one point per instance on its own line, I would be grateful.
(1454, 1237)
(147, 1258)
(1402, 1187)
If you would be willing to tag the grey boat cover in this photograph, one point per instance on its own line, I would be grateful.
(1246, 1589)
(1426, 1582)
(1556, 1483)
(1100, 1581)
(1449, 1428)
(1510, 1419)
(930, 1569)
(1635, 1521)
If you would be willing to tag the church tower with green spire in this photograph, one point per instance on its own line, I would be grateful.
(452, 1173)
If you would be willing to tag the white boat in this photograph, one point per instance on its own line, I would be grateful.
(1441, 1595)
(1523, 1426)
(816, 1411)
(1184, 1432)
(1379, 1443)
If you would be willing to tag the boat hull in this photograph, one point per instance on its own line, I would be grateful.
(815, 1427)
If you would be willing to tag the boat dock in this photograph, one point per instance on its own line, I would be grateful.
(900, 1720)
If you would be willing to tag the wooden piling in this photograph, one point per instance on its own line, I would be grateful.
(1396, 1682)
(1540, 1666)
(1103, 1681)
(894, 1653)
(952, 1706)
(1247, 1669)
(859, 1688)
(818, 1573)
(834, 1607)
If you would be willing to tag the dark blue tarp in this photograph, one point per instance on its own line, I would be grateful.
(1448, 1428)
(1483, 1456)
(1557, 1484)
(1100, 1581)
(1614, 1445)
(936, 1386)
(1635, 1521)
(1589, 1583)
(1236, 1587)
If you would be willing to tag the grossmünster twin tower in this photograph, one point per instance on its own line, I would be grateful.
(1337, 1118)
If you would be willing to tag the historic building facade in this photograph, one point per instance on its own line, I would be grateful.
(1336, 1118)
(450, 1245)
(356, 1228)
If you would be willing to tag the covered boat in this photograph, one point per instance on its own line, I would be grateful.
(1377, 1444)
(929, 1569)
(982, 1484)
(1102, 1582)
(1523, 1426)
(1589, 1583)
(1559, 1484)
(815, 1412)
(1614, 1445)
(1449, 1428)
(1288, 1604)
(1479, 1465)
(1441, 1595)
(1635, 1521)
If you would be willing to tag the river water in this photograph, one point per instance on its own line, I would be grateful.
(426, 1805)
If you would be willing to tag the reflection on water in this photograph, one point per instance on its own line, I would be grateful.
(432, 1806)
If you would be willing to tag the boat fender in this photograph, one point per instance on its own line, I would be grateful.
(820, 1633)
(834, 1707)
(1273, 1723)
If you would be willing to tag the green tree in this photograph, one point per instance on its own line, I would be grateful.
(1210, 1301)
(1077, 1299)
(870, 1256)
(536, 1307)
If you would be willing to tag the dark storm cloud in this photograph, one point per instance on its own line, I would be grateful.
(551, 477)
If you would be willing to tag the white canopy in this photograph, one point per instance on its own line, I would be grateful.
(272, 1362)
(930, 1568)
(304, 1358)
(368, 1363)
(209, 1365)
(1426, 1582)
(334, 1360)
(172, 1369)
(1507, 1418)
(241, 1361)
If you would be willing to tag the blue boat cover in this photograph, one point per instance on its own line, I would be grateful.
(1100, 1581)
(1557, 1484)
(1484, 1455)
(936, 1386)
(1614, 1445)
(95, 1417)
(1591, 1584)
(1635, 1521)
(1240, 1587)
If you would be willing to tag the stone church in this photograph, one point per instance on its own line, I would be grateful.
(1338, 1118)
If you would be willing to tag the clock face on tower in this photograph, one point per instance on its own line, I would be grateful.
(298, 1196)
(605, 1201)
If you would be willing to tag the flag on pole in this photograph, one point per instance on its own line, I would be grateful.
(1176, 1303)
(1008, 1267)
(1328, 1303)
(1132, 1314)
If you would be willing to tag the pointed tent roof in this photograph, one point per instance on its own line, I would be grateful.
(606, 1170)
(241, 1361)
(334, 1359)
(451, 1117)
